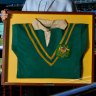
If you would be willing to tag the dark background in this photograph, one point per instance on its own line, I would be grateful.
(11, 1)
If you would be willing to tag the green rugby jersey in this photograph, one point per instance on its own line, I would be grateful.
(36, 60)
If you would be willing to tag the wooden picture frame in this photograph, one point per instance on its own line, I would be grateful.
(10, 60)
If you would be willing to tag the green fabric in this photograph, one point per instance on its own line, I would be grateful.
(32, 65)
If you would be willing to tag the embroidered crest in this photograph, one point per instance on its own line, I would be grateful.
(62, 51)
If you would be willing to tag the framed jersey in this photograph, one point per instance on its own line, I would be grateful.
(48, 48)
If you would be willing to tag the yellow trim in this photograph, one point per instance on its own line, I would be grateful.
(69, 34)
(50, 57)
(49, 63)
(37, 48)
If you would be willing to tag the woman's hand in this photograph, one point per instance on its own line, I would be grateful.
(4, 15)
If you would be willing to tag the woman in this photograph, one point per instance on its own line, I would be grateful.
(45, 5)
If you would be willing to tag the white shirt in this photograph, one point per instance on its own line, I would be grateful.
(48, 5)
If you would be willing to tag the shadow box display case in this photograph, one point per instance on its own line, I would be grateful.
(48, 48)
